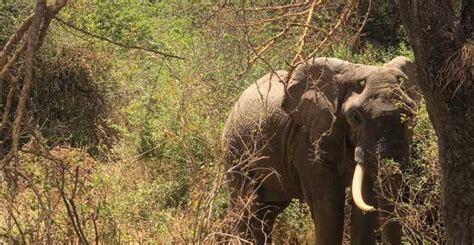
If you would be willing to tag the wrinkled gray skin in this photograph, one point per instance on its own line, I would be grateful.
(304, 142)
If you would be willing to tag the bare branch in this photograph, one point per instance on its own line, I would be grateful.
(299, 53)
(11, 62)
(283, 7)
(261, 22)
(6, 111)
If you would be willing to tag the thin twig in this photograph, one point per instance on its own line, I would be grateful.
(18, 226)
(260, 22)
(273, 8)
(364, 22)
(336, 27)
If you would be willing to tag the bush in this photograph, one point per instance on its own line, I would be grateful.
(69, 97)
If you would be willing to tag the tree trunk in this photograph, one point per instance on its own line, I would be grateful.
(441, 34)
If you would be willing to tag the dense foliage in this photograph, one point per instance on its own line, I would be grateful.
(136, 136)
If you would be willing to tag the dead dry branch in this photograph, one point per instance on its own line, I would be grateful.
(295, 28)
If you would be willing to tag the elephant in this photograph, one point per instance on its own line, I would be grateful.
(308, 134)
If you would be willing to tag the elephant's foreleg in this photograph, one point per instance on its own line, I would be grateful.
(364, 224)
(328, 215)
(391, 229)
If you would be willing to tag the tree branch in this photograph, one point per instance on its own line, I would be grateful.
(14, 39)
(299, 53)
(162, 53)
(30, 51)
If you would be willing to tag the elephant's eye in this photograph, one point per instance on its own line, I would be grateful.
(360, 85)
(354, 117)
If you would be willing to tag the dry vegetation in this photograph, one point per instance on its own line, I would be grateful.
(108, 137)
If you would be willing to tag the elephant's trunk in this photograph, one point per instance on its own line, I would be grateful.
(357, 189)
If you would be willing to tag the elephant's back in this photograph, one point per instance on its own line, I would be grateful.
(263, 96)
(258, 107)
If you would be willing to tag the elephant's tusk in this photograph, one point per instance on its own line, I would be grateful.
(357, 190)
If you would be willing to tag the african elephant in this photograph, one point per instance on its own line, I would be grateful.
(311, 133)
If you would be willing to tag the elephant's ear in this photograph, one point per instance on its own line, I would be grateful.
(311, 97)
(407, 67)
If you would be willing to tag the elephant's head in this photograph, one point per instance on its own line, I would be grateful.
(362, 109)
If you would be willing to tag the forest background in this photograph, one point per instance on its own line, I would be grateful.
(130, 97)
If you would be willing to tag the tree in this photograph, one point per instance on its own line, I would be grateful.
(441, 34)
(32, 32)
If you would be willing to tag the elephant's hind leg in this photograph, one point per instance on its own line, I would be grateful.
(265, 218)
(256, 223)
(251, 218)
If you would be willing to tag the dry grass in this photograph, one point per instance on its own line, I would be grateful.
(459, 69)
